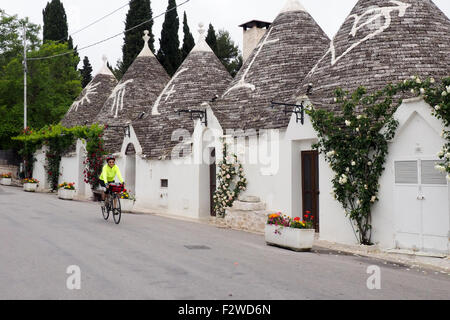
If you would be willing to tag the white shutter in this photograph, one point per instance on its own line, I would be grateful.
(406, 172)
(432, 176)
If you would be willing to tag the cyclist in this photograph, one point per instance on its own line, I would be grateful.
(109, 173)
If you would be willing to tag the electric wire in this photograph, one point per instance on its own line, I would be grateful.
(109, 38)
(95, 22)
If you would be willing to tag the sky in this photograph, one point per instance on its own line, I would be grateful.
(223, 14)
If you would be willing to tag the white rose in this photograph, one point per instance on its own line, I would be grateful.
(348, 123)
(357, 129)
(374, 198)
(418, 80)
(369, 163)
(353, 163)
(432, 80)
(437, 107)
(366, 187)
(444, 93)
(347, 169)
(359, 117)
(422, 90)
(413, 91)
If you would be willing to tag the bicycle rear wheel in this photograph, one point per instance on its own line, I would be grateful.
(117, 209)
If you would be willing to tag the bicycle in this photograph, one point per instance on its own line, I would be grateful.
(112, 203)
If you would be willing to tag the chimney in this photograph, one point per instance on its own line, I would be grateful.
(253, 32)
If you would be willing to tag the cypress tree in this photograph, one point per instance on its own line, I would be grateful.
(188, 41)
(139, 12)
(169, 53)
(86, 72)
(211, 38)
(75, 51)
(55, 22)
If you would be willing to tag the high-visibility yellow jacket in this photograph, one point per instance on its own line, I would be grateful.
(108, 174)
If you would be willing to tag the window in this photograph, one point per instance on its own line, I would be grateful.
(430, 175)
(406, 172)
(164, 183)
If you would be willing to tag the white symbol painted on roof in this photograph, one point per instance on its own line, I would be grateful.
(118, 94)
(167, 92)
(242, 83)
(89, 90)
(374, 17)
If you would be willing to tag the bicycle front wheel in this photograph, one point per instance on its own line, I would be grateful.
(117, 209)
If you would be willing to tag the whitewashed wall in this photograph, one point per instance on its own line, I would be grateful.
(39, 171)
(417, 137)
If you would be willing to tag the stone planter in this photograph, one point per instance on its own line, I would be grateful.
(66, 194)
(6, 181)
(295, 239)
(30, 187)
(127, 205)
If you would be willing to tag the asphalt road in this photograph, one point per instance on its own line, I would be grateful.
(151, 257)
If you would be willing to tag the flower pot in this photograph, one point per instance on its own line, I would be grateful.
(127, 205)
(30, 187)
(6, 181)
(295, 239)
(66, 194)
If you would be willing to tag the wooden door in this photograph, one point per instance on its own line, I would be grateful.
(212, 181)
(310, 186)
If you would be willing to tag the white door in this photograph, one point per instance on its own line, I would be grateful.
(421, 206)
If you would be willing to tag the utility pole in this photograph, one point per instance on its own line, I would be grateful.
(25, 71)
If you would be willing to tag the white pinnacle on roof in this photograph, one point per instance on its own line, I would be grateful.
(292, 5)
(202, 45)
(146, 52)
(105, 70)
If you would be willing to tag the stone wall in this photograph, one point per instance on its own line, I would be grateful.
(9, 169)
(247, 214)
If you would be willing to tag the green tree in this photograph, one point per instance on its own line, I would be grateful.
(11, 41)
(139, 12)
(228, 53)
(55, 22)
(188, 41)
(211, 38)
(53, 84)
(86, 72)
(169, 53)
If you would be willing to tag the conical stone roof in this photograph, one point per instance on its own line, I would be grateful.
(198, 80)
(135, 93)
(91, 100)
(382, 42)
(275, 69)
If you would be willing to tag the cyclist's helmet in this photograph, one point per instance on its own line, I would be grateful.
(110, 157)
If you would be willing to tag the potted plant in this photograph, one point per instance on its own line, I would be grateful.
(30, 184)
(66, 191)
(127, 201)
(6, 179)
(295, 234)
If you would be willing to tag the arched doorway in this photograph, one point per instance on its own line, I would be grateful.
(130, 168)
